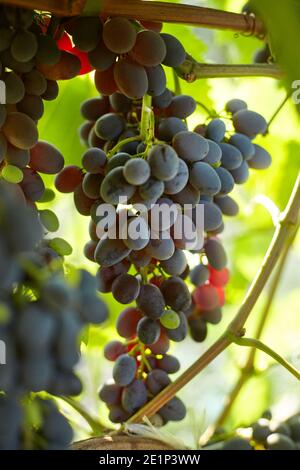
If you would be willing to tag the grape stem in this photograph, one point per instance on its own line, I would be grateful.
(152, 11)
(147, 121)
(192, 70)
(287, 223)
(97, 428)
(256, 343)
(120, 144)
(280, 107)
(248, 370)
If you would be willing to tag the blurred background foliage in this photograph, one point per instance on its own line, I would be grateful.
(246, 238)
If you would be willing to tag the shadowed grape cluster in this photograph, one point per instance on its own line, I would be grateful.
(264, 434)
(42, 316)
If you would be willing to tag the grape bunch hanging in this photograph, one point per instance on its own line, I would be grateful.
(138, 147)
(166, 165)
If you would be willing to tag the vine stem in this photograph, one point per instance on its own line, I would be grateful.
(256, 343)
(152, 11)
(285, 228)
(191, 70)
(247, 370)
(147, 124)
(97, 428)
(280, 107)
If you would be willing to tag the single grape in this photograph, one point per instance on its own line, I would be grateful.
(169, 127)
(231, 156)
(113, 350)
(134, 396)
(182, 106)
(174, 410)
(199, 275)
(110, 252)
(93, 108)
(215, 254)
(175, 265)
(198, 329)
(20, 130)
(127, 322)
(190, 146)
(148, 331)
(157, 80)
(244, 144)
(176, 293)
(204, 178)
(110, 126)
(86, 32)
(235, 105)
(46, 158)
(94, 160)
(119, 35)
(125, 288)
(131, 78)
(249, 123)
(216, 130)
(227, 181)
(214, 153)
(241, 174)
(169, 364)
(163, 100)
(179, 182)
(124, 370)
(68, 179)
(151, 301)
(261, 159)
(114, 187)
(164, 162)
(149, 49)
(157, 380)
(137, 171)
(100, 57)
(111, 394)
(227, 205)
(175, 53)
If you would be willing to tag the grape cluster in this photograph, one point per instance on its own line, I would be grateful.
(173, 166)
(140, 371)
(42, 316)
(127, 55)
(264, 434)
(209, 278)
(27, 50)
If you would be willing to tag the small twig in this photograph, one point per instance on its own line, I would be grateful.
(147, 128)
(284, 230)
(280, 107)
(210, 112)
(255, 343)
(177, 86)
(247, 371)
(97, 428)
(191, 70)
(121, 143)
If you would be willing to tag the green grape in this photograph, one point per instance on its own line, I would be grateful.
(170, 320)
(61, 246)
(12, 174)
(49, 220)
